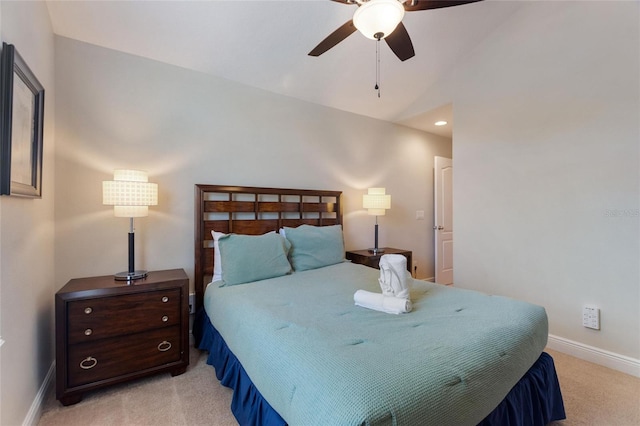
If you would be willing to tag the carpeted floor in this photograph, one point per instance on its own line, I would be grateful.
(193, 398)
(593, 395)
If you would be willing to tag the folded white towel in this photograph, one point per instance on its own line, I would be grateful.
(380, 302)
(394, 276)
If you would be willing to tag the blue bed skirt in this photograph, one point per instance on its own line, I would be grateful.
(535, 400)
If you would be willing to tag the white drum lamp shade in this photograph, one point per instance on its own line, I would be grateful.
(130, 193)
(376, 201)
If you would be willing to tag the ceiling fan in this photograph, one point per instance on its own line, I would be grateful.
(382, 19)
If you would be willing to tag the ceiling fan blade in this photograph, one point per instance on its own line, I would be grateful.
(434, 4)
(344, 1)
(400, 42)
(334, 38)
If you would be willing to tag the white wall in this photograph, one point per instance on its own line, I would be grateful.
(183, 127)
(546, 158)
(26, 237)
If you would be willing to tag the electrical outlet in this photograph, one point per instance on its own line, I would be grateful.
(192, 303)
(591, 317)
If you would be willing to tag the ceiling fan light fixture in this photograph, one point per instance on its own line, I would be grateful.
(376, 17)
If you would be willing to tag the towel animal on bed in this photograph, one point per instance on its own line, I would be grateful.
(394, 282)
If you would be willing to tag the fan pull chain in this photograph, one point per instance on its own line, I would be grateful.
(377, 87)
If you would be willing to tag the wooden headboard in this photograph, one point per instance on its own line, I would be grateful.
(253, 211)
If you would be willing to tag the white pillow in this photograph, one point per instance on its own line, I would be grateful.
(217, 262)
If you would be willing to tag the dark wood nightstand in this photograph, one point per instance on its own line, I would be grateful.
(366, 257)
(109, 332)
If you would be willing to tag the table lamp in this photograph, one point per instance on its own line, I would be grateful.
(130, 194)
(376, 202)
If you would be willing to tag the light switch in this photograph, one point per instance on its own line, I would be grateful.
(419, 214)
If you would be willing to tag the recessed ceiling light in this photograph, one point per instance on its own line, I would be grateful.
(440, 123)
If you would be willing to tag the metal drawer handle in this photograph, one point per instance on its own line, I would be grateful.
(88, 310)
(165, 318)
(88, 363)
(165, 299)
(164, 346)
(88, 332)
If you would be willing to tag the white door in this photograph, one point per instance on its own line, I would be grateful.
(443, 217)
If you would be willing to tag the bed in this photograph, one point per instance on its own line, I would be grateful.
(284, 333)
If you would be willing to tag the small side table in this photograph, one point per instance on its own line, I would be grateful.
(109, 332)
(367, 258)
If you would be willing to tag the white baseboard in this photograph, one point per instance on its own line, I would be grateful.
(33, 416)
(598, 356)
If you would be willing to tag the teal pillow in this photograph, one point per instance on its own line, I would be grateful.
(247, 258)
(315, 246)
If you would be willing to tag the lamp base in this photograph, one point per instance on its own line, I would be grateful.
(130, 276)
(376, 250)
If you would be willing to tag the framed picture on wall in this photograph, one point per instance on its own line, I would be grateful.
(21, 126)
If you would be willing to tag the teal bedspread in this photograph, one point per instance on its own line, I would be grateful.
(319, 359)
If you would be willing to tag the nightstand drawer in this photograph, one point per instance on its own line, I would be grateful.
(99, 318)
(91, 362)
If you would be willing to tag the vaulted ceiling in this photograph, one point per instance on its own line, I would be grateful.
(264, 44)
